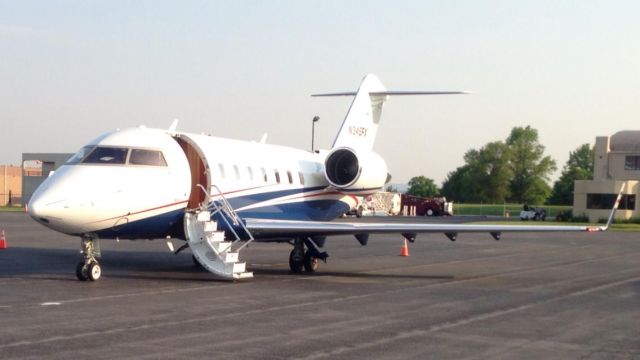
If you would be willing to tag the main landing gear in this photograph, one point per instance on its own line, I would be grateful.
(89, 268)
(300, 258)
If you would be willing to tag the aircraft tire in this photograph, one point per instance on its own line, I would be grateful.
(94, 271)
(295, 266)
(81, 271)
(310, 263)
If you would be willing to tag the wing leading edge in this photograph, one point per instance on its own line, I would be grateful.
(284, 228)
(290, 228)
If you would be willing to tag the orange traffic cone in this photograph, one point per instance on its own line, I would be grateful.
(3, 241)
(404, 250)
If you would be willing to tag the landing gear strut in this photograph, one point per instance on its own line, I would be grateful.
(89, 268)
(296, 257)
(300, 258)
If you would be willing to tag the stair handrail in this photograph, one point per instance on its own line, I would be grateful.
(228, 209)
(236, 217)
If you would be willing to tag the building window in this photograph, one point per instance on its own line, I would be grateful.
(605, 201)
(632, 162)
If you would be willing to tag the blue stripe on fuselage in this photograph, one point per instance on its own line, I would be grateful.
(246, 200)
(172, 223)
(154, 227)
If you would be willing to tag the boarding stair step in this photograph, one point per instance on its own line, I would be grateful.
(211, 249)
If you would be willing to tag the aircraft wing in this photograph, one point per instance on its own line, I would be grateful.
(290, 228)
(286, 228)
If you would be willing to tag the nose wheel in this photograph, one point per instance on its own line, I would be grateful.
(89, 269)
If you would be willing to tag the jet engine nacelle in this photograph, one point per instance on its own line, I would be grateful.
(347, 169)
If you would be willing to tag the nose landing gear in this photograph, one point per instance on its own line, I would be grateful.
(89, 268)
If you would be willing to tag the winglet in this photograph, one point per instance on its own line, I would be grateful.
(613, 212)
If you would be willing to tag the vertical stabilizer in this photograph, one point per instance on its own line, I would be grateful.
(360, 125)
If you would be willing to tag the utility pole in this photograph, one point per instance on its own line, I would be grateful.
(313, 130)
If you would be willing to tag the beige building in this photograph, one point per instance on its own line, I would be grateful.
(617, 162)
(10, 184)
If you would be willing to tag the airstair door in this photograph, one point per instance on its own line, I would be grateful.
(206, 241)
(200, 174)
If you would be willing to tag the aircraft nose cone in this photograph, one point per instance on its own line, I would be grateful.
(39, 211)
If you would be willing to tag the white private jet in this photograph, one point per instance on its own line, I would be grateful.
(220, 194)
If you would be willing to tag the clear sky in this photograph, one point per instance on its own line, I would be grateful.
(71, 70)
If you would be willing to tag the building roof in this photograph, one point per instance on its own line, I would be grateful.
(626, 141)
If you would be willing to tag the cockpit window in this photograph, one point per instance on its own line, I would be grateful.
(80, 154)
(107, 155)
(146, 157)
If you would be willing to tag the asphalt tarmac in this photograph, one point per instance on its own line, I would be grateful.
(528, 296)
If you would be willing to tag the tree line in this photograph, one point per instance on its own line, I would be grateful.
(515, 170)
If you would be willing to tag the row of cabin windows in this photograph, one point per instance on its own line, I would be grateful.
(261, 176)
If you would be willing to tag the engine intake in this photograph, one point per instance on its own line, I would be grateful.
(347, 169)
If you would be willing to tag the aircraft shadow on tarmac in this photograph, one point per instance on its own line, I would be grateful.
(152, 265)
(361, 275)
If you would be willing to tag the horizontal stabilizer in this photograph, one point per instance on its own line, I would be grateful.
(394, 93)
(360, 125)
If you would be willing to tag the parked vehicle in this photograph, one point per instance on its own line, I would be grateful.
(530, 213)
(382, 203)
(435, 206)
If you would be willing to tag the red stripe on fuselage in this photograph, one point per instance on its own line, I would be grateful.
(140, 212)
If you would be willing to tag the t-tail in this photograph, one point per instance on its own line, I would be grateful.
(360, 125)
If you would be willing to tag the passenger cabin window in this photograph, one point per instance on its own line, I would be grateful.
(237, 171)
(250, 170)
(277, 176)
(147, 157)
(290, 177)
(264, 174)
(107, 155)
(221, 169)
(301, 178)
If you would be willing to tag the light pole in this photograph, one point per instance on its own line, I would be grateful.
(313, 130)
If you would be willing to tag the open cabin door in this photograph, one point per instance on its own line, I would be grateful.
(199, 168)
(207, 242)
